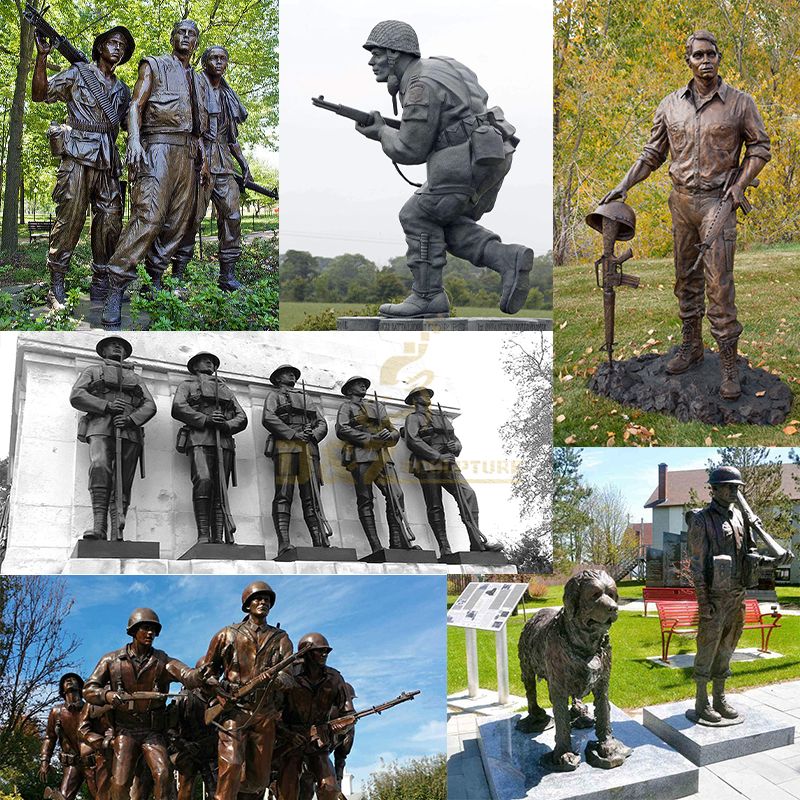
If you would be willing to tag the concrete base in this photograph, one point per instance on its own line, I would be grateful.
(398, 556)
(703, 744)
(449, 324)
(686, 660)
(652, 772)
(102, 548)
(221, 552)
(318, 554)
(486, 703)
(482, 558)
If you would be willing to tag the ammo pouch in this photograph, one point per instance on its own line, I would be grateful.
(69, 759)
(348, 455)
(269, 446)
(83, 426)
(751, 569)
(57, 134)
(182, 440)
(487, 146)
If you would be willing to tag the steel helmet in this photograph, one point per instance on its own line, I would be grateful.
(313, 641)
(142, 615)
(618, 212)
(65, 678)
(392, 34)
(257, 587)
(725, 475)
(346, 385)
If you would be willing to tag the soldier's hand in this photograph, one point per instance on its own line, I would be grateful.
(448, 458)
(135, 157)
(113, 699)
(452, 447)
(373, 130)
(619, 192)
(384, 435)
(216, 419)
(205, 174)
(122, 421)
(117, 406)
(43, 770)
(735, 193)
(298, 740)
(43, 44)
(246, 174)
(304, 436)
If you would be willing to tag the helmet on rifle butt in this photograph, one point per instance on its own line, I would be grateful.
(618, 212)
(141, 616)
(313, 641)
(254, 588)
(725, 475)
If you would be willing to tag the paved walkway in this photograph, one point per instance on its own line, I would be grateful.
(771, 775)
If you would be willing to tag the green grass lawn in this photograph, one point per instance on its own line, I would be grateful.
(768, 299)
(292, 313)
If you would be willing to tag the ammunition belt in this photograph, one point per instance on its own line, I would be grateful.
(141, 720)
(69, 759)
(94, 127)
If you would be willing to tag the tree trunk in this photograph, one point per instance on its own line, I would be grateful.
(21, 199)
(8, 234)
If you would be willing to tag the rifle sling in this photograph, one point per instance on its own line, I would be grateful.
(99, 92)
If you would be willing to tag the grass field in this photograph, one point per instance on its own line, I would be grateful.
(768, 299)
(292, 314)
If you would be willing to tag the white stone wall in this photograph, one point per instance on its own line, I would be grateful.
(50, 506)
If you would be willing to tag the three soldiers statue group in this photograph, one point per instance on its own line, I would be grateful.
(118, 404)
(182, 130)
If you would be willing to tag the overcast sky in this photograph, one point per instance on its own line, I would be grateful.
(339, 192)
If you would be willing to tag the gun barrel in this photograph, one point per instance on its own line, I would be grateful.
(363, 118)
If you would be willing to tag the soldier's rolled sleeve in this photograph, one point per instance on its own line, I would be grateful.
(146, 411)
(413, 142)
(655, 152)
(756, 139)
(59, 87)
(183, 412)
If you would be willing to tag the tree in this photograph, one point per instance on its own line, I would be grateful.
(414, 780)
(609, 539)
(298, 271)
(569, 516)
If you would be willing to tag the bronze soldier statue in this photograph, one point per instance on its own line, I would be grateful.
(117, 404)
(312, 694)
(434, 447)
(367, 433)
(468, 149)
(97, 104)
(211, 415)
(296, 427)
(193, 745)
(704, 126)
(237, 654)
(223, 188)
(140, 724)
(95, 736)
(62, 729)
(169, 113)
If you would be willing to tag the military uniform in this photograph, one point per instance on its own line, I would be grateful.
(195, 400)
(62, 729)
(193, 745)
(285, 415)
(96, 387)
(238, 653)
(96, 732)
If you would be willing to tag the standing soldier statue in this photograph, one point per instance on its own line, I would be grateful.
(434, 447)
(211, 415)
(140, 724)
(117, 404)
(62, 729)
(169, 113)
(97, 104)
(367, 433)
(468, 149)
(237, 654)
(703, 127)
(296, 427)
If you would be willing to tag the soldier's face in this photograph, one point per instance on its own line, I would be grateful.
(113, 351)
(71, 690)
(319, 657)
(704, 60)
(423, 399)
(260, 605)
(184, 39)
(144, 634)
(204, 365)
(113, 48)
(380, 64)
(286, 378)
(725, 493)
(358, 388)
(216, 62)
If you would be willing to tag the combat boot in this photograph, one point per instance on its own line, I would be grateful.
(721, 705)
(112, 310)
(98, 288)
(202, 519)
(56, 297)
(117, 529)
(227, 280)
(430, 306)
(371, 532)
(281, 521)
(514, 262)
(701, 705)
(440, 534)
(218, 527)
(318, 536)
(690, 350)
(730, 388)
(99, 529)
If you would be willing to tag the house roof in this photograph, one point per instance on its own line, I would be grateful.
(681, 482)
(645, 532)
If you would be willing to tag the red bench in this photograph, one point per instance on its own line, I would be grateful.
(682, 617)
(652, 594)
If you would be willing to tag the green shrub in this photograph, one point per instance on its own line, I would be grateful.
(326, 320)
(417, 779)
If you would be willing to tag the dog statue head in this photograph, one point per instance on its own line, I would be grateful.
(591, 600)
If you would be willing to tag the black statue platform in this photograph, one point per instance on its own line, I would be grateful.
(398, 556)
(694, 396)
(318, 554)
(225, 552)
(486, 558)
(102, 548)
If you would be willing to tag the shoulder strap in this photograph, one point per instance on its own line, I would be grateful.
(99, 91)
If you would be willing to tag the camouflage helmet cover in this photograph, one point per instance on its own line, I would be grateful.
(392, 34)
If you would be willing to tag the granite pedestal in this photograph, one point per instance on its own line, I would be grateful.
(219, 551)
(398, 556)
(654, 771)
(102, 548)
(482, 558)
(448, 324)
(704, 745)
(318, 554)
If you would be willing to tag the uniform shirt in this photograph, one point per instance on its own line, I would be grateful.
(283, 418)
(427, 436)
(308, 702)
(195, 401)
(89, 147)
(357, 424)
(223, 127)
(62, 728)
(705, 138)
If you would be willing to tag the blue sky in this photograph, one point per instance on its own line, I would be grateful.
(387, 634)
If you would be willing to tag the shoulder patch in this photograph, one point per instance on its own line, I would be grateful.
(417, 94)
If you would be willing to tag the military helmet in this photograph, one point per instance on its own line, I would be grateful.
(126, 345)
(725, 475)
(313, 641)
(130, 44)
(409, 401)
(197, 356)
(392, 34)
(284, 368)
(142, 615)
(64, 678)
(618, 212)
(346, 384)
(257, 587)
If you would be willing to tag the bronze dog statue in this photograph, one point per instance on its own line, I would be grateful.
(570, 649)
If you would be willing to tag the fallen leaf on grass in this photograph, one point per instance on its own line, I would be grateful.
(761, 394)
(707, 441)
(611, 440)
(570, 440)
(790, 430)
(733, 436)
(563, 325)
(593, 427)
(560, 418)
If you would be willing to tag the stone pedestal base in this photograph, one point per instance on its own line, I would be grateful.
(643, 382)
(318, 554)
(704, 744)
(481, 558)
(652, 772)
(398, 556)
(449, 324)
(223, 552)
(101, 548)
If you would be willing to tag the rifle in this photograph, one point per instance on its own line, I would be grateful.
(316, 499)
(782, 556)
(363, 118)
(59, 42)
(319, 733)
(392, 481)
(613, 276)
(228, 525)
(256, 187)
(118, 464)
(129, 698)
(724, 210)
(268, 675)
